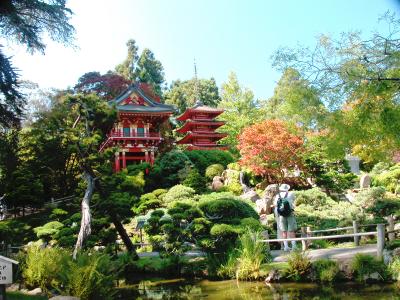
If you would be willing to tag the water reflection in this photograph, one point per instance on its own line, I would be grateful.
(181, 289)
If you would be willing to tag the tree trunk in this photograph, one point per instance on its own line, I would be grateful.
(124, 236)
(85, 229)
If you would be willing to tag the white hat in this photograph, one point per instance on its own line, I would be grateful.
(284, 187)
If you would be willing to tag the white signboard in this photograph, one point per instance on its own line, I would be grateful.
(6, 270)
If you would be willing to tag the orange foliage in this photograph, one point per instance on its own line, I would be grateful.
(268, 148)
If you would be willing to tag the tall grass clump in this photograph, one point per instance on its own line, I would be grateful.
(394, 268)
(363, 266)
(299, 265)
(90, 276)
(326, 270)
(252, 254)
(43, 267)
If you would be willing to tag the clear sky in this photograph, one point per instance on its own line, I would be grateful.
(223, 36)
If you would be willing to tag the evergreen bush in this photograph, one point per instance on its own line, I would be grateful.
(214, 170)
(364, 265)
(178, 193)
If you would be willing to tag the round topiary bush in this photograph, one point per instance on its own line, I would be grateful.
(178, 193)
(214, 170)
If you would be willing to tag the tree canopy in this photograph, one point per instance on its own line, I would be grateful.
(142, 68)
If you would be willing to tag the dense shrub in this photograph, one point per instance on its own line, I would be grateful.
(150, 201)
(214, 170)
(326, 270)
(48, 230)
(178, 193)
(227, 210)
(364, 265)
(195, 181)
(299, 265)
(88, 277)
(171, 166)
(389, 178)
(314, 197)
(202, 159)
(394, 268)
(368, 197)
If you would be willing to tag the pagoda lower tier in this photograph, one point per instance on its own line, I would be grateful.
(203, 141)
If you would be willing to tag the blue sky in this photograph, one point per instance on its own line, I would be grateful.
(223, 36)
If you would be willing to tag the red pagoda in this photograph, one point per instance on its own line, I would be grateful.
(136, 133)
(200, 126)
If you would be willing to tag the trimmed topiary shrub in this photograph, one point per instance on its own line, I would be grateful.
(314, 197)
(227, 210)
(390, 178)
(178, 193)
(195, 181)
(48, 230)
(204, 158)
(171, 165)
(214, 170)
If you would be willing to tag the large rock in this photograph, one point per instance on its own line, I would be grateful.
(250, 195)
(365, 181)
(35, 292)
(218, 183)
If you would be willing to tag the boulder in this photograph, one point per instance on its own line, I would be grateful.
(365, 181)
(273, 276)
(250, 195)
(35, 292)
(218, 183)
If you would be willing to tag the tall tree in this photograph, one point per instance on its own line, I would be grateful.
(27, 22)
(107, 86)
(359, 80)
(296, 102)
(269, 149)
(184, 94)
(241, 110)
(142, 68)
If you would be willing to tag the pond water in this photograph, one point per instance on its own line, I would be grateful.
(232, 290)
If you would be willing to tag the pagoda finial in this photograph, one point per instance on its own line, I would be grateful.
(196, 86)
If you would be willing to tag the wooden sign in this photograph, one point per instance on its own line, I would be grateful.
(6, 274)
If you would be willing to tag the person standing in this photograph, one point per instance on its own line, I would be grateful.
(287, 220)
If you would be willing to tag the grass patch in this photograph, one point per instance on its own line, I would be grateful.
(20, 296)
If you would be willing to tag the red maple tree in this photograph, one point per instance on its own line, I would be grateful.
(269, 148)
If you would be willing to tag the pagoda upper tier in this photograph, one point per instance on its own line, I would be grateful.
(136, 133)
(200, 126)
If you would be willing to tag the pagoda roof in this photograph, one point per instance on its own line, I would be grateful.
(199, 107)
(135, 100)
(189, 124)
(187, 139)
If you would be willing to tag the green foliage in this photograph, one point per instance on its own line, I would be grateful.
(184, 94)
(326, 270)
(89, 277)
(195, 181)
(49, 230)
(299, 265)
(42, 266)
(234, 188)
(178, 193)
(58, 214)
(314, 197)
(390, 178)
(368, 197)
(252, 254)
(201, 159)
(149, 201)
(142, 68)
(214, 170)
(241, 110)
(227, 210)
(364, 265)
(173, 165)
(394, 268)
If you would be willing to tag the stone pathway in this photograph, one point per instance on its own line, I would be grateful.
(339, 254)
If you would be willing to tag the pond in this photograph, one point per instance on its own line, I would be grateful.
(233, 290)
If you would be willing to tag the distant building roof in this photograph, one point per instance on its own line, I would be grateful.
(135, 100)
